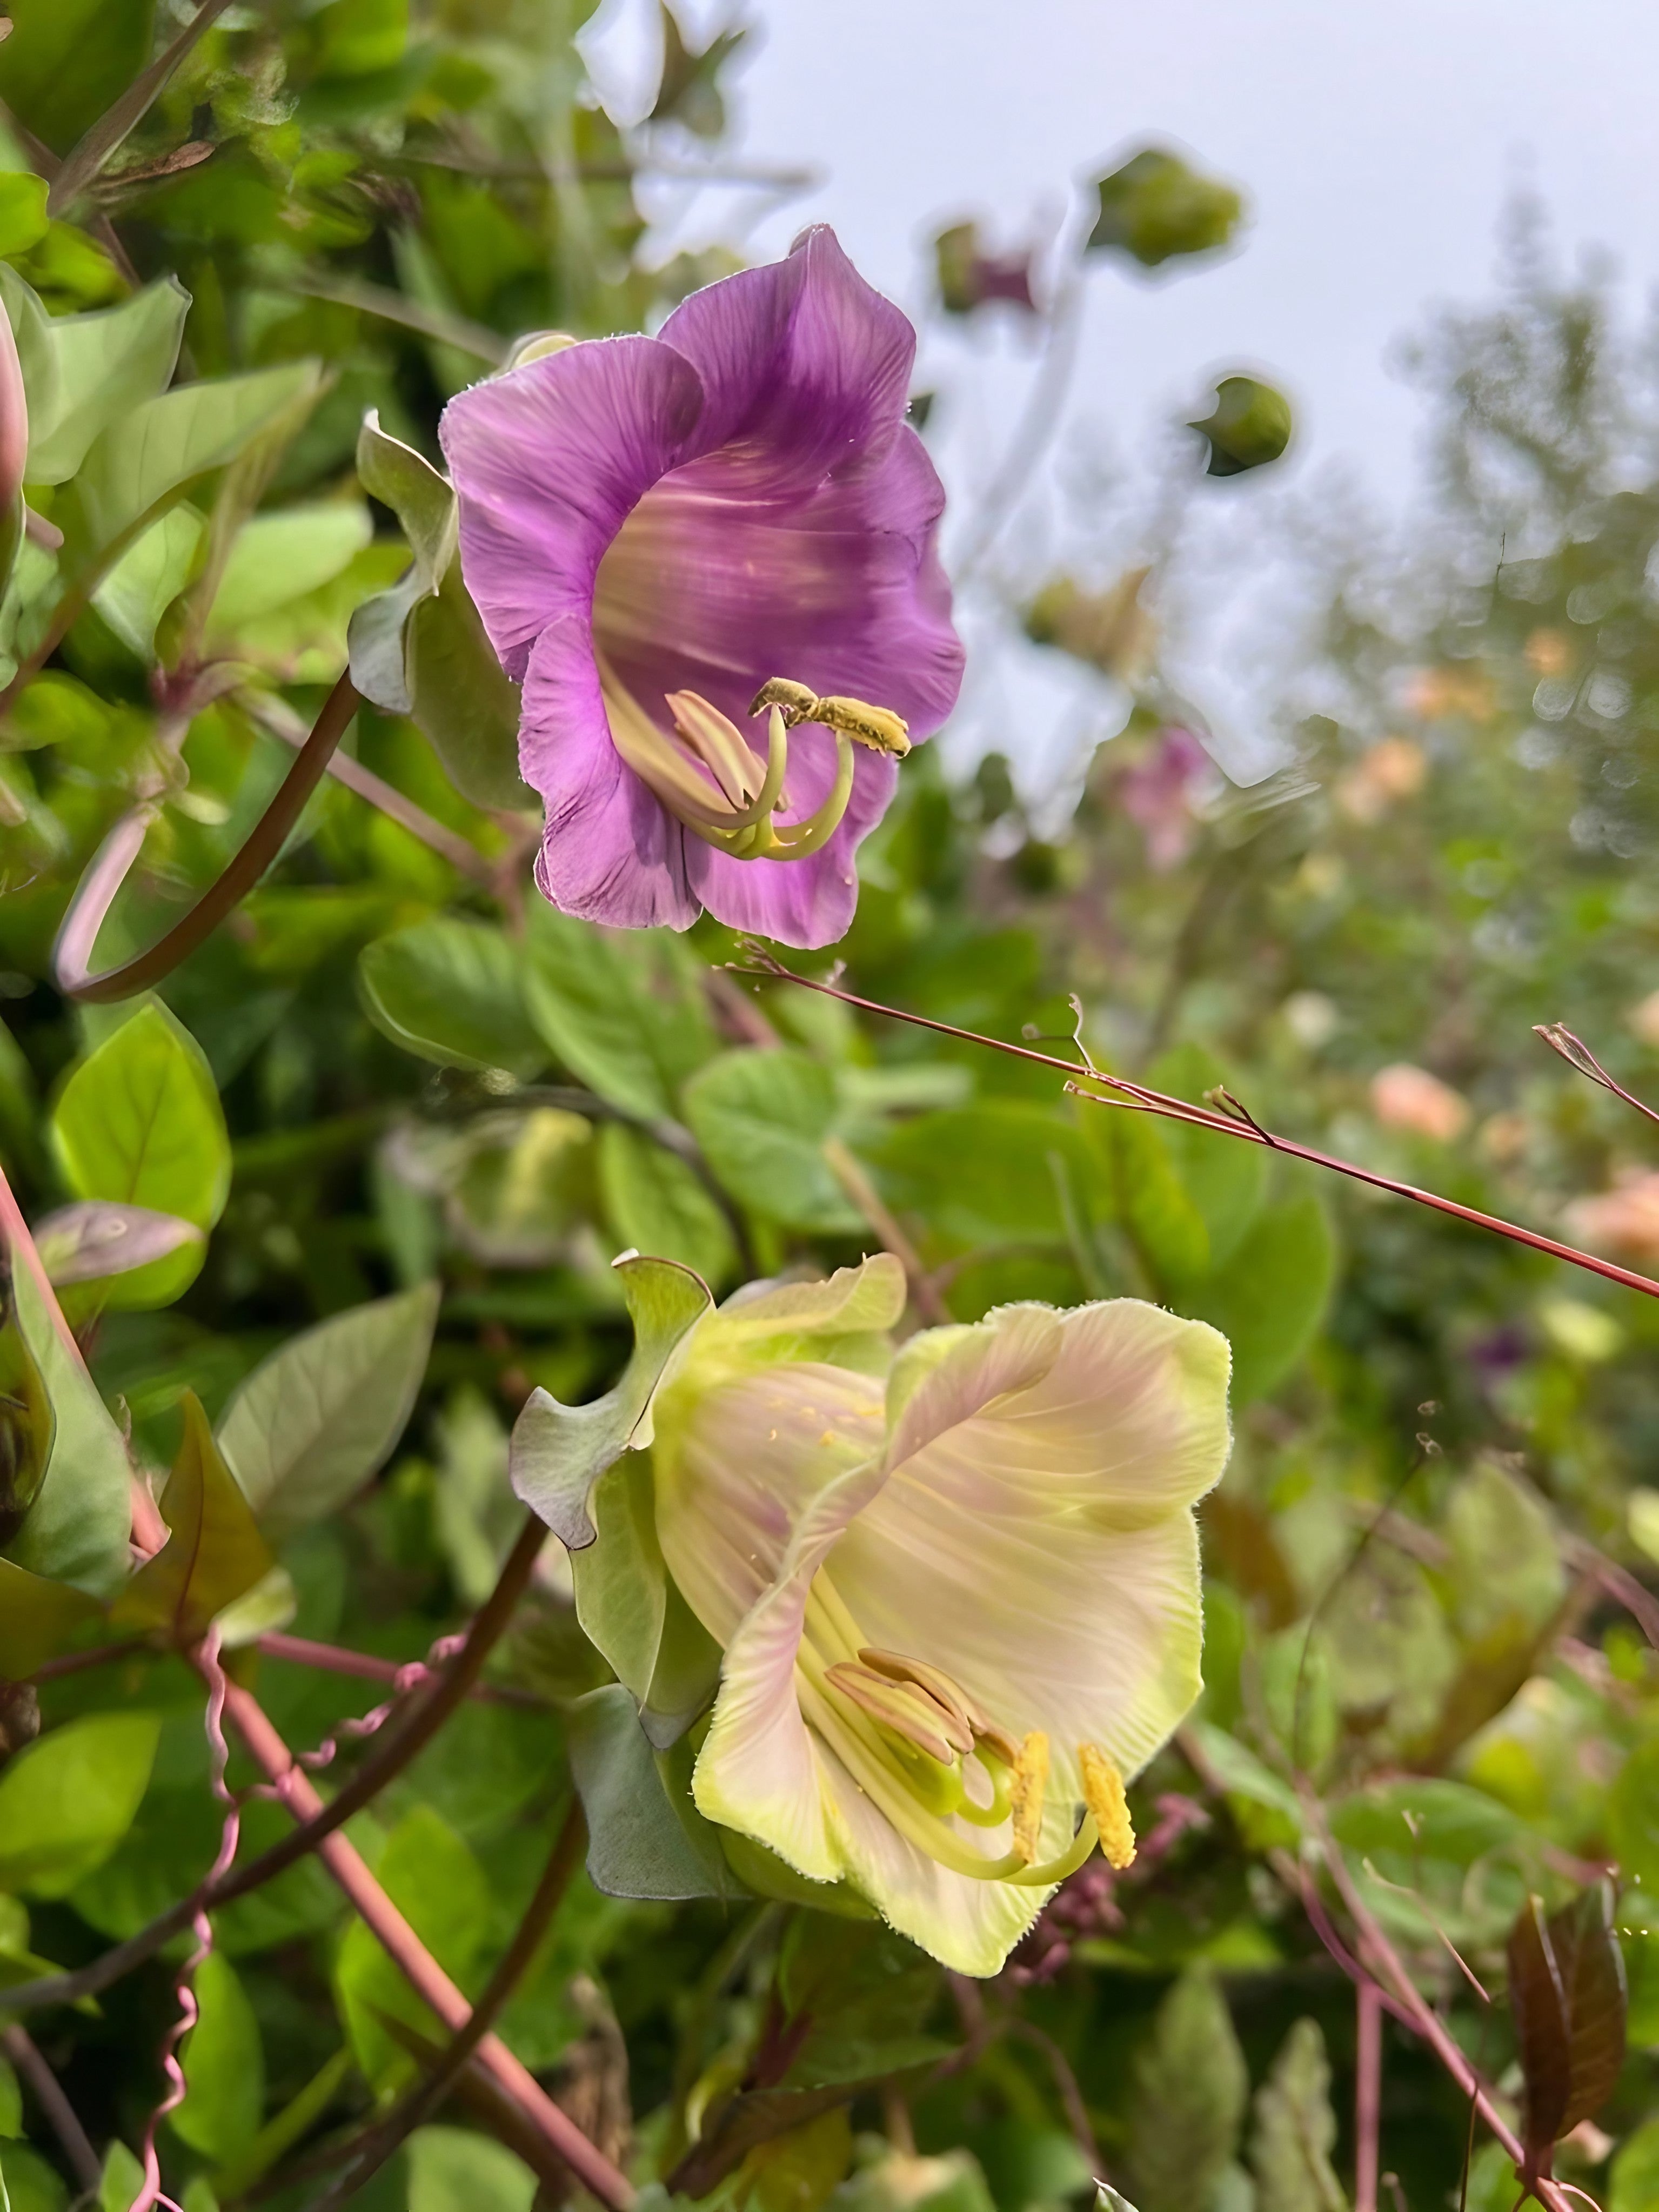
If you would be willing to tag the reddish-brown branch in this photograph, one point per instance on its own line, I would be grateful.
(1367, 2094)
(1137, 1096)
(382, 2140)
(95, 894)
(19, 2046)
(425, 1976)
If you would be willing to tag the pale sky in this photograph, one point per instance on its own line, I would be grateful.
(1376, 145)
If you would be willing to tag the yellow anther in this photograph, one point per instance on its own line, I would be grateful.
(1103, 1793)
(879, 727)
(1026, 1792)
(794, 701)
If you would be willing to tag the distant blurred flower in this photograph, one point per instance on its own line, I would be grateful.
(1392, 769)
(1159, 791)
(1410, 1099)
(1249, 426)
(1312, 1018)
(1623, 1219)
(653, 529)
(1504, 1137)
(969, 277)
(1113, 630)
(688, 92)
(1155, 208)
(956, 1604)
(1643, 1018)
(1435, 693)
(1548, 653)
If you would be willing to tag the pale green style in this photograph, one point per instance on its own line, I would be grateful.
(999, 1518)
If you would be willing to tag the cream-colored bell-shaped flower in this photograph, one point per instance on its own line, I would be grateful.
(956, 1590)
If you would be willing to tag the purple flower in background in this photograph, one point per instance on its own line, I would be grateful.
(654, 529)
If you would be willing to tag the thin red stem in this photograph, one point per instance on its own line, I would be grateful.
(19, 2046)
(1250, 1132)
(1368, 2093)
(425, 1976)
(335, 1659)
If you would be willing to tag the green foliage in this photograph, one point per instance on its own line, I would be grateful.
(66, 1803)
(224, 2066)
(314, 1421)
(350, 1186)
(1191, 2087)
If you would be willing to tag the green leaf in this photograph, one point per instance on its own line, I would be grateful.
(1507, 1574)
(438, 1886)
(761, 1115)
(316, 1419)
(139, 1122)
(1225, 1179)
(147, 578)
(559, 1452)
(37, 1619)
(1190, 2085)
(224, 2065)
(1425, 1817)
(985, 1174)
(1155, 208)
(1270, 1298)
(359, 37)
(66, 61)
(66, 1802)
(23, 220)
(123, 2181)
(422, 499)
(646, 1839)
(11, 2102)
(1161, 1217)
(1633, 1815)
(1296, 2128)
(279, 557)
(655, 1204)
(463, 699)
(28, 2184)
(621, 1009)
(1635, 2176)
(421, 648)
(77, 1528)
(452, 992)
(159, 448)
(215, 1552)
(84, 372)
(453, 2170)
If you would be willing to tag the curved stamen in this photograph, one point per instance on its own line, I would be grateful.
(797, 839)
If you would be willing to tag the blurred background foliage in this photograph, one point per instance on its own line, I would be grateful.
(393, 1066)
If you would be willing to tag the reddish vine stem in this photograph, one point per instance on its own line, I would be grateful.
(96, 892)
(1138, 1097)
(1368, 2094)
(399, 1747)
(425, 1976)
(380, 2141)
(366, 1665)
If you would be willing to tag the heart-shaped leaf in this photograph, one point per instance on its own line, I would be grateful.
(214, 1553)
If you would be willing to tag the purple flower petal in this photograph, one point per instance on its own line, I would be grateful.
(803, 362)
(547, 461)
(807, 903)
(610, 852)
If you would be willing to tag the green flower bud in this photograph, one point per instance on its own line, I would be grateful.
(1250, 426)
(1155, 208)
